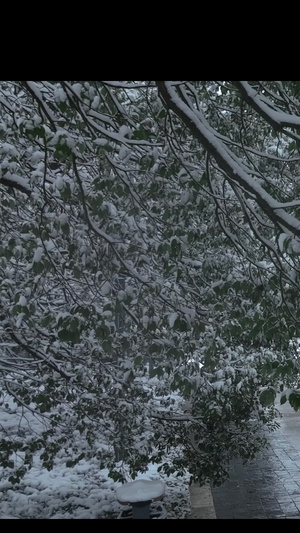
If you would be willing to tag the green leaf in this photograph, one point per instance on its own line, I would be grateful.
(154, 348)
(74, 324)
(46, 320)
(175, 248)
(66, 335)
(141, 135)
(62, 152)
(291, 146)
(161, 114)
(62, 106)
(282, 400)
(38, 267)
(36, 132)
(102, 331)
(107, 148)
(294, 399)
(66, 192)
(180, 324)
(65, 229)
(267, 397)
(107, 345)
(191, 237)
(85, 312)
(77, 272)
(156, 372)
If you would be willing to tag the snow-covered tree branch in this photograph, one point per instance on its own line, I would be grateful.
(149, 287)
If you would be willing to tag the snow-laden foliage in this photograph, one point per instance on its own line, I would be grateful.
(79, 491)
(149, 247)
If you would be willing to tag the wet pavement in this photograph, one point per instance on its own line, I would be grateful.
(269, 486)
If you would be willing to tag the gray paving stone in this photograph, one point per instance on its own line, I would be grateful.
(202, 504)
(269, 486)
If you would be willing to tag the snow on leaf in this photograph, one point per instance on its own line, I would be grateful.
(123, 212)
(38, 254)
(145, 321)
(281, 240)
(105, 288)
(218, 385)
(124, 130)
(22, 300)
(59, 183)
(295, 244)
(171, 319)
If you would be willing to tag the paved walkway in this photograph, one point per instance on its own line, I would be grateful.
(269, 486)
(202, 504)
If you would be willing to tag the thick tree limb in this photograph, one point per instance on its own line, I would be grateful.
(15, 185)
(226, 159)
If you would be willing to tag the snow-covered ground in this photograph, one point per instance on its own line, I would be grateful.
(82, 491)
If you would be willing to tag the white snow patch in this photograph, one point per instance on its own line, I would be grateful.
(22, 300)
(140, 491)
(105, 288)
(171, 319)
(38, 254)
